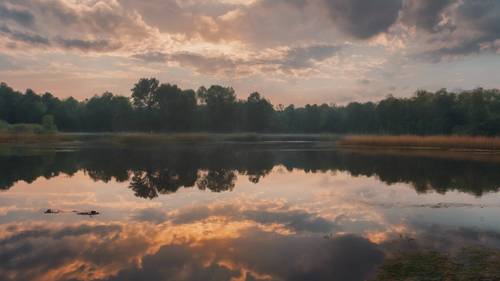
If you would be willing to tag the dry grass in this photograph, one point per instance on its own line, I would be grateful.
(434, 142)
(32, 138)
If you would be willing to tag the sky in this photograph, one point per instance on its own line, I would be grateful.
(291, 51)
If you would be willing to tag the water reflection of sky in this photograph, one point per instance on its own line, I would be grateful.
(291, 225)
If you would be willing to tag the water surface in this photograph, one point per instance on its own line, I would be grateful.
(266, 211)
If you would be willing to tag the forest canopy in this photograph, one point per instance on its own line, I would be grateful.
(158, 107)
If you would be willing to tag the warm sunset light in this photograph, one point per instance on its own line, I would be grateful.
(306, 51)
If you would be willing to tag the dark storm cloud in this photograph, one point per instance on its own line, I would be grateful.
(424, 14)
(364, 19)
(475, 28)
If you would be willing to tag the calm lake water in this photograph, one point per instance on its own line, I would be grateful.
(267, 211)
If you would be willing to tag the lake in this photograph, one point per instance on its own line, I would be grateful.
(245, 211)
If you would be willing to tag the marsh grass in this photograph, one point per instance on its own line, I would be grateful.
(32, 138)
(470, 263)
(423, 142)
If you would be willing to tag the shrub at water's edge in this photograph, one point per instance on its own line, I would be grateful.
(28, 132)
(48, 126)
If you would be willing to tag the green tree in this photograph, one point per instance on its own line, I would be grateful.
(144, 93)
(258, 113)
(177, 107)
(48, 124)
(220, 105)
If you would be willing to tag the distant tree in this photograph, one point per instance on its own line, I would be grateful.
(30, 108)
(48, 124)
(177, 107)
(220, 106)
(167, 107)
(9, 99)
(144, 93)
(108, 113)
(258, 113)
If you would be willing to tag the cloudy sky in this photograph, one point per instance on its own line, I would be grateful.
(292, 51)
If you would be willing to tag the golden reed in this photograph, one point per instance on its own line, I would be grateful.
(411, 141)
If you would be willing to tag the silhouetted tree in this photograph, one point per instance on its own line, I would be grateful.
(220, 105)
(167, 107)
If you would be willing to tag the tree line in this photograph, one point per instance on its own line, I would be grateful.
(158, 107)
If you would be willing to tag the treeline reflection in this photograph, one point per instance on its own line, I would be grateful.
(151, 172)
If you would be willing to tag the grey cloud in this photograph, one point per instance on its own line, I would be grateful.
(19, 16)
(151, 215)
(97, 26)
(424, 14)
(88, 45)
(475, 28)
(25, 37)
(6, 63)
(303, 57)
(295, 58)
(364, 19)
(206, 64)
(364, 81)
(153, 57)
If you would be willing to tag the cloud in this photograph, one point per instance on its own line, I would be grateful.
(96, 26)
(424, 14)
(364, 19)
(257, 254)
(151, 215)
(6, 63)
(218, 64)
(364, 81)
(20, 16)
(151, 57)
(472, 26)
(88, 45)
(295, 220)
(305, 57)
(32, 39)
(281, 60)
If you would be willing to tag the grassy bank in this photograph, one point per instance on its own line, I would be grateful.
(159, 139)
(408, 143)
(423, 142)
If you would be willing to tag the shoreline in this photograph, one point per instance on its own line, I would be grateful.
(372, 143)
